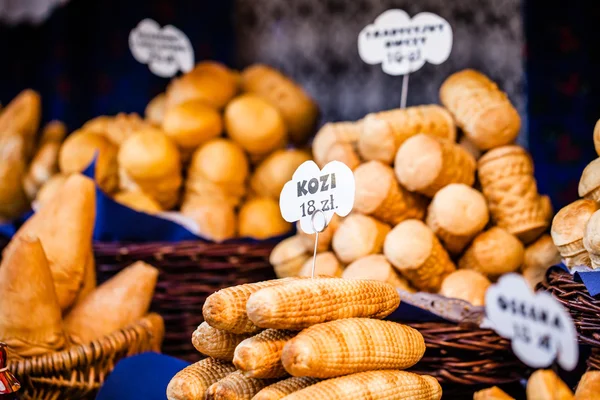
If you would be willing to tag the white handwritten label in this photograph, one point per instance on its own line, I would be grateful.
(403, 45)
(330, 190)
(539, 327)
(166, 50)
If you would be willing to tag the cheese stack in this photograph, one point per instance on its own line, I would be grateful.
(212, 147)
(48, 294)
(283, 339)
(576, 227)
(433, 213)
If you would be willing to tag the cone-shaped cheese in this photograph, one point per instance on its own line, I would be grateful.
(377, 268)
(358, 236)
(508, 184)
(337, 141)
(155, 110)
(118, 302)
(384, 132)
(288, 257)
(539, 256)
(379, 194)
(65, 225)
(325, 237)
(298, 110)
(326, 264)
(270, 176)
(493, 393)
(480, 108)
(466, 285)
(588, 387)
(426, 163)
(22, 115)
(494, 252)
(81, 148)
(89, 280)
(456, 215)
(415, 251)
(31, 322)
(544, 384)
(13, 166)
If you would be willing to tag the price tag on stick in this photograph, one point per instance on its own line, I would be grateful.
(538, 325)
(403, 45)
(166, 50)
(314, 195)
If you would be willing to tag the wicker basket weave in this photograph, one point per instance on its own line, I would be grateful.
(78, 372)
(467, 355)
(189, 272)
(460, 353)
(584, 308)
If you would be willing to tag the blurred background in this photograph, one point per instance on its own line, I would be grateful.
(543, 54)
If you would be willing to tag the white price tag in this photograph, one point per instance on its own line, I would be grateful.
(402, 45)
(330, 190)
(539, 327)
(166, 50)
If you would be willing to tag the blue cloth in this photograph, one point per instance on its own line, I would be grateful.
(590, 279)
(144, 376)
(10, 228)
(116, 222)
(408, 312)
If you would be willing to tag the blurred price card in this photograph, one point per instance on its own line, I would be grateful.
(330, 191)
(166, 50)
(540, 329)
(403, 45)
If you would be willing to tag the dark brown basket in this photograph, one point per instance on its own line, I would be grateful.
(78, 372)
(584, 309)
(189, 272)
(467, 355)
(593, 361)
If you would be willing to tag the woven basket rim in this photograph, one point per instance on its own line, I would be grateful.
(582, 307)
(89, 353)
(188, 248)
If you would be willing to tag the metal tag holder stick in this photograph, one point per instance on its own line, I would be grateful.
(404, 93)
(317, 231)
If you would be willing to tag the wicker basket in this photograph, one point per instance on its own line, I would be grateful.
(466, 355)
(189, 272)
(78, 372)
(584, 309)
(460, 354)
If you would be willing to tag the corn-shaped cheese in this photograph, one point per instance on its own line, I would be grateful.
(306, 302)
(236, 386)
(215, 342)
(390, 384)
(260, 356)
(226, 309)
(352, 345)
(192, 382)
(282, 388)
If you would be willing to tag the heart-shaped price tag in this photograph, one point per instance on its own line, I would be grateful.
(312, 190)
(166, 50)
(540, 329)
